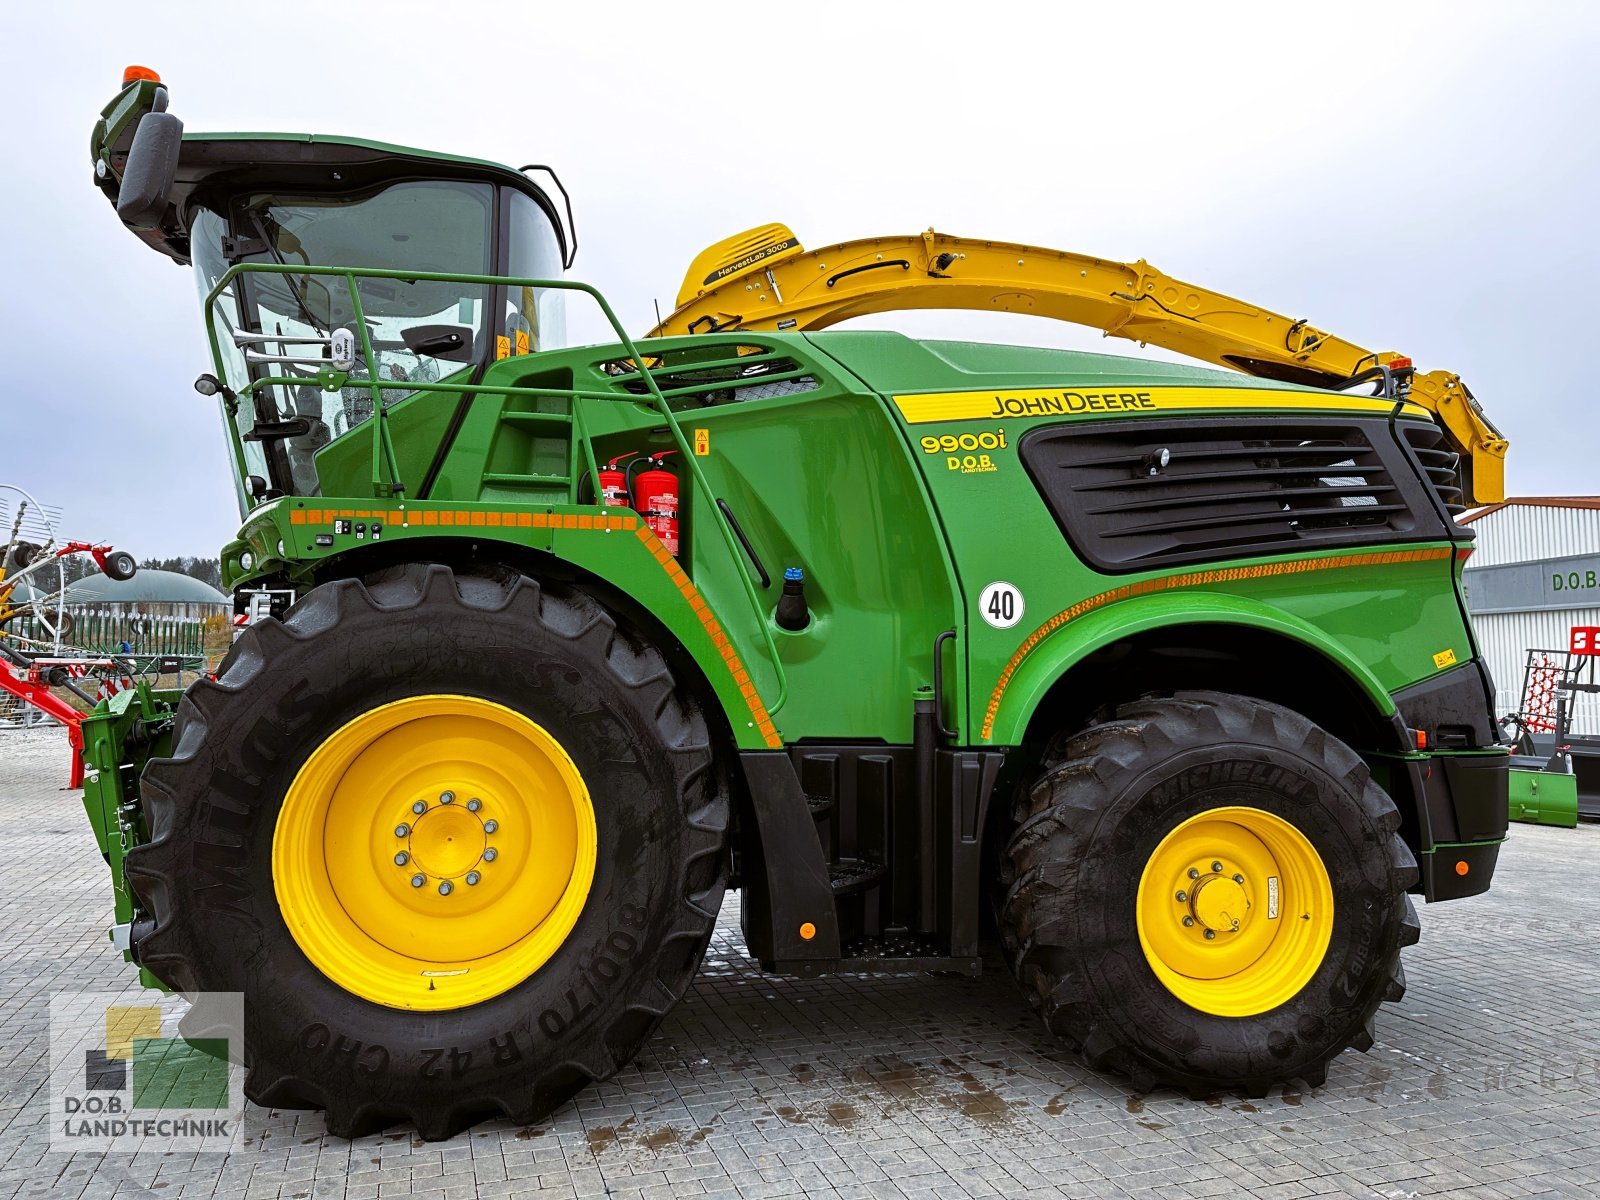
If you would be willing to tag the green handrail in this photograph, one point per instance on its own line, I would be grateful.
(383, 447)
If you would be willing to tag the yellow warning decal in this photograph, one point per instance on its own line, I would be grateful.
(1445, 658)
(502, 347)
(702, 443)
(929, 407)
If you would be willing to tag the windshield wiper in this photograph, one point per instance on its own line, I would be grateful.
(294, 290)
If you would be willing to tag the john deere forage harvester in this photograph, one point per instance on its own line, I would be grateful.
(549, 645)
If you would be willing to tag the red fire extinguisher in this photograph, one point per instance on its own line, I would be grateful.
(655, 495)
(614, 482)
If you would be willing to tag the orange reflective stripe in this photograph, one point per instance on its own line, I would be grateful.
(714, 630)
(603, 523)
(1194, 579)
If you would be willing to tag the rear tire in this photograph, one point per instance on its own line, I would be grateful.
(60, 620)
(1081, 916)
(552, 657)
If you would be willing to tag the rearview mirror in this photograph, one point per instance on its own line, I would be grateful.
(276, 431)
(151, 168)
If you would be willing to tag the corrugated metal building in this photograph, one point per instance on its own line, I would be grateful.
(1534, 574)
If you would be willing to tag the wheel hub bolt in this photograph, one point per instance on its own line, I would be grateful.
(490, 854)
(1188, 922)
(1182, 896)
(418, 880)
(420, 807)
(474, 804)
(472, 878)
(1238, 878)
(447, 797)
(402, 830)
(401, 859)
(446, 887)
(1193, 874)
(490, 826)
(1210, 933)
(1217, 867)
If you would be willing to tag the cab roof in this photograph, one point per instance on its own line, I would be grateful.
(228, 162)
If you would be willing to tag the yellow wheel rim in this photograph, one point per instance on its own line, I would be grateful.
(434, 852)
(1235, 911)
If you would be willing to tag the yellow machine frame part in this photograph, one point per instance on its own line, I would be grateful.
(764, 279)
(434, 852)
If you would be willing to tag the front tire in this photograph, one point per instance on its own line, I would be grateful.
(1208, 892)
(276, 867)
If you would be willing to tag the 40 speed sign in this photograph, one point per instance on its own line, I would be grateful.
(1000, 604)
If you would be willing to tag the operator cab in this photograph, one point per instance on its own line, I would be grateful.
(420, 330)
(299, 200)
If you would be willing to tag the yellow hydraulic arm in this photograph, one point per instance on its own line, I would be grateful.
(764, 279)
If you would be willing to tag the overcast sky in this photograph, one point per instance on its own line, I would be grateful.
(1421, 178)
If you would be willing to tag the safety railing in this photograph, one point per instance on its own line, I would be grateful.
(386, 481)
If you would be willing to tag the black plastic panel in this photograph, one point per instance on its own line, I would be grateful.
(893, 854)
(1442, 878)
(1452, 708)
(1453, 808)
(1479, 788)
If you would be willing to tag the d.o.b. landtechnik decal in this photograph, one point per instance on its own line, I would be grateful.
(962, 451)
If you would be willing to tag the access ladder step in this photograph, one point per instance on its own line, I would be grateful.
(536, 418)
(855, 876)
(509, 479)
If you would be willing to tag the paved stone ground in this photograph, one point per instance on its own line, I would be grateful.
(1485, 1081)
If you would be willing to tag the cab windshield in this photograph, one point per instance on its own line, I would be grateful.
(420, 331)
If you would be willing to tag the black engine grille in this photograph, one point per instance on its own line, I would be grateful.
(1151, 493)
(1441, 464)
(720, 374)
